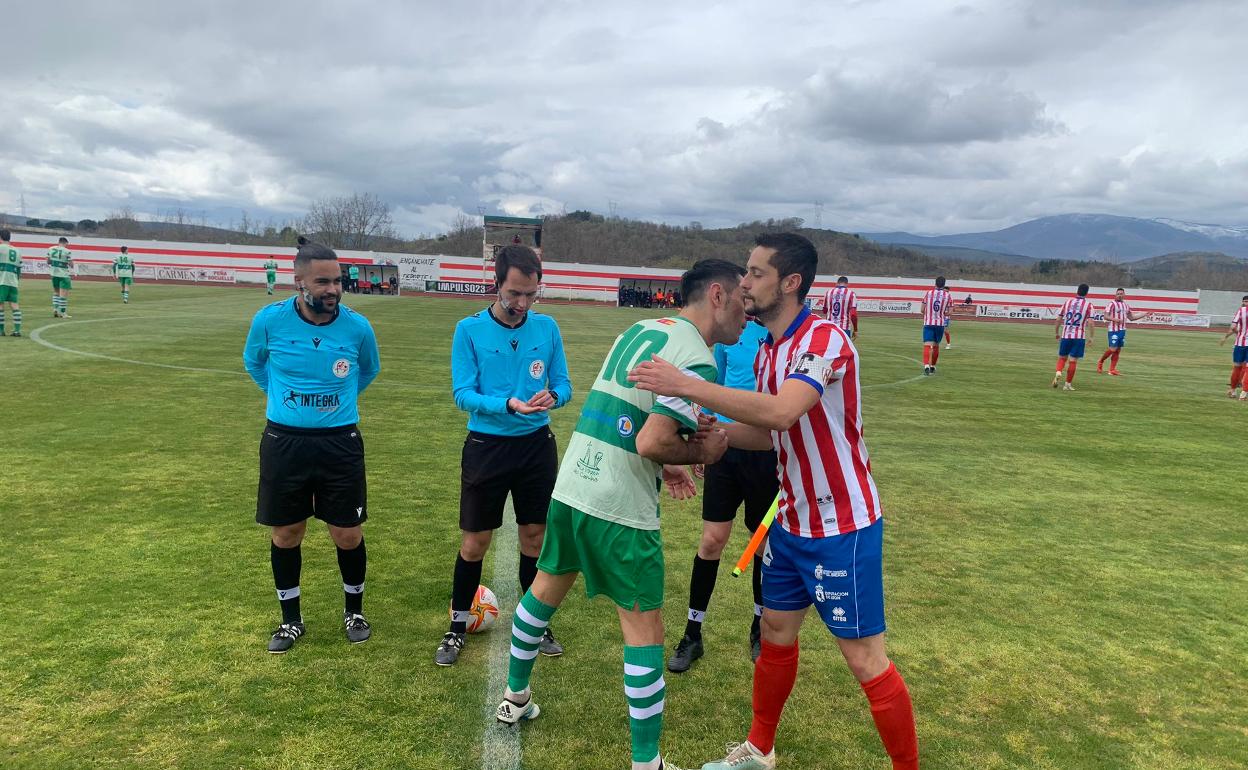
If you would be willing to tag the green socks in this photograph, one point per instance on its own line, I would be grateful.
(646, 692)
(527, 626)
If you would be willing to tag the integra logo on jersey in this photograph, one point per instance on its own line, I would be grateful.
(324, 402)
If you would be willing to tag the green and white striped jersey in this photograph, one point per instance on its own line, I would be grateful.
(58, 261)
(270, 267)
(123, 266)
(602, 475)
(10, 265)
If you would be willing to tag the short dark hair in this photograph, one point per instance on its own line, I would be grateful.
(520, 257)
(5, 235)
(1119, 289)
(842, 279)
(940, 282)
(310, 250)
(794, 254)
(125, 249)
(62, 239)
(696, 280)
(1082, 291)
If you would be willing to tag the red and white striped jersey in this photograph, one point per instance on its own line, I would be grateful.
(936, 307)
(1240, 323)
(1117, 313)
(826, 487)
(1075, 314)
(840, 302)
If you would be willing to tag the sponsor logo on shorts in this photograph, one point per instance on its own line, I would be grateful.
(624, 424)
(821, 573)
(537, 369)
(823, 595)
(838, 615)
(342, 367)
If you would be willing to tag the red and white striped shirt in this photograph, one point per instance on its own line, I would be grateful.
(1117, 313)
(826, 487)
(936, 307)
(840, 302)
(1240, 324)
(1075, 314)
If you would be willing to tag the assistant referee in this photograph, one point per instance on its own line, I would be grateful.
(313, 357)
(508, 371)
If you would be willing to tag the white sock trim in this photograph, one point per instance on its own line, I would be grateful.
(520, 654)
(697, 616)
(647, 712)
(631, 669)
(287, 593)
(524, 637)
(645, 692)
(353, 589)
(528, 617)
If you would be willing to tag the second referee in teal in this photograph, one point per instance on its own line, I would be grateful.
(508, 371)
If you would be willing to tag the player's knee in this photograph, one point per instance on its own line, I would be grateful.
(474, 545)
(288, 536)
(347, 539)
(714, 540)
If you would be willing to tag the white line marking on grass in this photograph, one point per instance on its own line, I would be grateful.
(915, 378)
(37, 336)
(500, 745)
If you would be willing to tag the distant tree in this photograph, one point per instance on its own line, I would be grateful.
(34, 223)
(353, 221)
(121, 224)
(88, 225)
(58, 224)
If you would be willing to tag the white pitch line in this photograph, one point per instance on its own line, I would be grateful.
(915, 378)
(500, 745)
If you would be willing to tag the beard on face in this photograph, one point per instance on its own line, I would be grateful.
(762, 310)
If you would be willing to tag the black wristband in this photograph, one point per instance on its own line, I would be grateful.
(509, 409)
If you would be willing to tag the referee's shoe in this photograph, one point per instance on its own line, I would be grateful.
(285, 636)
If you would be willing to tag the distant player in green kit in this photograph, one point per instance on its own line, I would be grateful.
(353, 276)
(10, 273)
(60, 261)
(604, 512)
(123, 270)
(270, 273)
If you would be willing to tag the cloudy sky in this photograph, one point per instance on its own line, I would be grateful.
(911, 115)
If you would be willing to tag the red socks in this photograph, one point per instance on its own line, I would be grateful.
(1104, 356)
(948, 339)
(1113, 361)
(935, 353)
(1070, 373)
(774, 674)
(893, 714)
(1061, 363)
(927, 356)
(1235, 375)
(1245, 382)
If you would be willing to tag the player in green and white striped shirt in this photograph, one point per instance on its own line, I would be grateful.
(123, 269)
(270, 273)
(10, 274)
(60, 262)
(604, 513)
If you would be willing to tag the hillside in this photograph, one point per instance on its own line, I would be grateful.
(1193, 269)
(1090, 237)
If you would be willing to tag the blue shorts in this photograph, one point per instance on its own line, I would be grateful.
(1117, 339)
(842, 575)
(933, 333)
(1071, 348)
(1240, 354)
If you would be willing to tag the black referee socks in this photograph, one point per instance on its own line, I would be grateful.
(287, 563)
(353, 564)
(463, 588)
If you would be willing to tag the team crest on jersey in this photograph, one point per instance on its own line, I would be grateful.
(537, 369)
(624, 425)
(342, 367)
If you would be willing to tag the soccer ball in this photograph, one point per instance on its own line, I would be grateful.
(483, 612)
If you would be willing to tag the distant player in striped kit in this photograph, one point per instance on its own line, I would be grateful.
(123, 271)
(1239, 356)
(825, 548)
(1117, 313)
(60, 262)
(1071, 330)
(841, 307)
(10, 276)
(270, 274)
(935, 318)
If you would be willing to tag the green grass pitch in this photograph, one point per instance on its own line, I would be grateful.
(1066, 573)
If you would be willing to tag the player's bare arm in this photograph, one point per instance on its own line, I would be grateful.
(763, 410)
(660, 441)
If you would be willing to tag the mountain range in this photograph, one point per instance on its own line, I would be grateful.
(1099, 237)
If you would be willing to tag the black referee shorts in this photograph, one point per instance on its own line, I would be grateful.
(741, 476)
(493, 466)
(311, 472)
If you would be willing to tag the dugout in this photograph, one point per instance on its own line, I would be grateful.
(653, 292)
(374, 279)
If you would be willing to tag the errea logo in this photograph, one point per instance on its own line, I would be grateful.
(838, 614)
